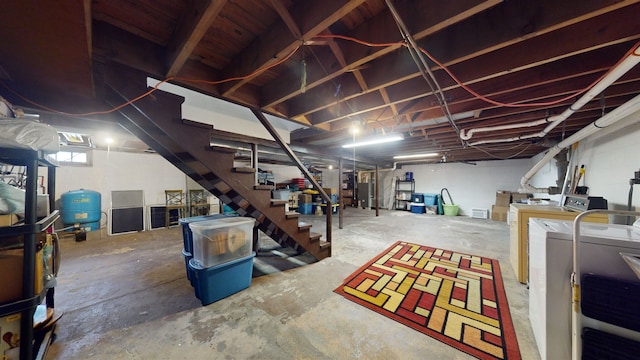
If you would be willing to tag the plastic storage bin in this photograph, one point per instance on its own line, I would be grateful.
(281, 194)
(430, 199)
(221, 240)
(305, 209)
(227, 210)
(187, 235)
(417, 208)
(218, 282)
(187, 256)
(417, 198)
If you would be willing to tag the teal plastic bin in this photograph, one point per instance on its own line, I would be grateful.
(217, 282)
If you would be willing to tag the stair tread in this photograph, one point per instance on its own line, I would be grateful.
(292, 214)
(324, 244)
(275, 202)
(314, 236)
(223, 149)
(304, 225)
(263, 187)
(244, 170)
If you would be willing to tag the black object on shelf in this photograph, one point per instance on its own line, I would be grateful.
(349, 190)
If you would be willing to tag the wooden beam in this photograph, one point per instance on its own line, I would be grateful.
(89, 34)
(277, 43)
(287, 18)
(619, 25)
(196, 22)
(430, 17)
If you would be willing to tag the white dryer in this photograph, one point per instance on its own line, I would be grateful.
(550, 268)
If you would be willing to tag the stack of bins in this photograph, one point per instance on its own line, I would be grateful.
(187, 238)
(431, 203)
(222, 262)
(417, 203)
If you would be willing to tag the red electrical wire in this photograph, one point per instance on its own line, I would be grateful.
(632, 51)
(362, 42)
(156, 87)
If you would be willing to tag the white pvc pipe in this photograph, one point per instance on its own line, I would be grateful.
(469, 134)
(622, 68)
(617, 114)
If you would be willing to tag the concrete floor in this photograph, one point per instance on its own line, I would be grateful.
(127, 297)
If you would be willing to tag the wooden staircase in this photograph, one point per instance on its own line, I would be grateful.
(157, 121)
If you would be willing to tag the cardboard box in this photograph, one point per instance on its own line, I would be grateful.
(499, 213)
(304, 199)
(330, 191)
(520, 198)
(11, 270)
(8, 220)
(347, 193)
(10, 337)
(503, 198)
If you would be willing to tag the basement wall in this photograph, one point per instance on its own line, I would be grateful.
(610, 157)
(470, 186)
(113, 171)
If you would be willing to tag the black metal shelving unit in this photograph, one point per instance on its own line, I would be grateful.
(349, 190)
(404, 192)
(32, 160)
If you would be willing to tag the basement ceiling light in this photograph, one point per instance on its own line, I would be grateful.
(415, 156)
(374, 141)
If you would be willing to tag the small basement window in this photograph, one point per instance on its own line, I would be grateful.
(73, 157)
(76, 149)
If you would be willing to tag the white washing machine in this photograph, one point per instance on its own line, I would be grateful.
(550, 268)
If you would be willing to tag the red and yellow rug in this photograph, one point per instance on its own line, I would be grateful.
(456, 298)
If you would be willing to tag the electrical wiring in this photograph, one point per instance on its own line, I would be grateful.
(632, 52)
(474, 93)
(500, 157)
(361, 42)
(154, 88)
(423, 67)
(337, 86)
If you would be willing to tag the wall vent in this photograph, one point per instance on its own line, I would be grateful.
(480, 213)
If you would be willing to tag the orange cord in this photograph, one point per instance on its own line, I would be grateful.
(631, 52)
(153, 89)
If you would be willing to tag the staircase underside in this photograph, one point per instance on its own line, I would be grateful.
(157, 121)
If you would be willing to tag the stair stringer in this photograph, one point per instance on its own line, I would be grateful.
(157, 121)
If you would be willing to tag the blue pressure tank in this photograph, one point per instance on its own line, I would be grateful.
(81, 207)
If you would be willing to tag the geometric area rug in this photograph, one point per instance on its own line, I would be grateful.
(456, 298)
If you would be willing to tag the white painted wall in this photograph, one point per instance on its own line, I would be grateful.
(611, 157)
(470, 186)
(122, 171)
